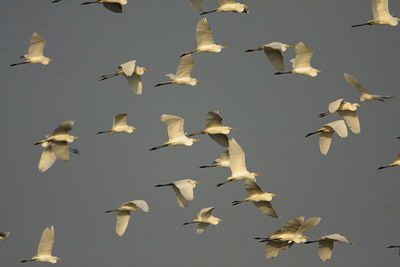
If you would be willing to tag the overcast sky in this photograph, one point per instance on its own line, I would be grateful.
(272, 114)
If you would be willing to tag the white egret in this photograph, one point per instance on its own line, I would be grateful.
(393, 164)
(273, 51)
(229, 6)
(395, 247)
(60, 134)
(35, 51)
(222, 161)
(204, 219)
(124, 214)
(176, 135)
(260, 199)
(120, 125)
(183, 72)
(382, 16)
(112, 5)
(301, 63)
(325, 245)
(196, 4)
(365, 95)
(54, 150)
(325, 134)
(205, 41)
(274, 247)
(238, 164)
(347, 111)
(45, 247)
(183, 190)
(4, 235)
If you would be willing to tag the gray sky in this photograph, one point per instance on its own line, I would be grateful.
(272, 114)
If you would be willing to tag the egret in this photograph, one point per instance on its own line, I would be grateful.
(301, 63)
(196, 4)
(205, 41)
(365, 95)
(176, 135)
(54, 150)
(120, 125)
(273, 51)
(112, 5)
(395, 247)
(214, 129)
(132, 73)
(183, 190)
(325, 134)
(393, 164)
(183, 71)
(204, 219)
(45, 247)
(4, 235)
(124, 213)
(274, 247)
(35, 51)
(229, 6)
(60, 134)
(222, 161)
(238, 164)
(325, 245)
(382, 16)
(260, 199)
(347, 111)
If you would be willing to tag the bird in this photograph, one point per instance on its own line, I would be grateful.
(347, 111)
(4, 235)
(238, 164)
(124, 213)
(60, 134)
(183, 190)
(54, 150)
(45, 247)
(393, 164)
(273, 51)
(274, 247)
(214, 129)
(35, 51)
(325, 245)
(260, 199)
(301, 63)
(229, 6)
(183, 72)
(223, 161)
(204, 219)
(132, 73)
(381, 14)
(112, 5)
(365, 95)
(205, 41)
(196, 4)
(325, 134)
(120, 125)
(176, 135)
(395, 247)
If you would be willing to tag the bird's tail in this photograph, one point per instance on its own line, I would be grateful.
(237, 202)
(207, 166)
(208, 12)
(19, 63)
(157, 147)
(90, 2)
(323, 114)
(160, 84)
(307, 135)
(282, 72)
(106, 76)
(108, 211)
(359, 25)
(160, 185)
(101, 132)
(384, 167)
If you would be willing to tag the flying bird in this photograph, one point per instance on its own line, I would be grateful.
(395, 247)
(325, 134)
(382, 16)
(61, 133)
(325, 245)
(301, 64)
(196, 4)
(120, 125)
(222, 161)
(4, 235)
(54, 150)
(229, 6)
(112, 5)
(273, 51)
(204, 219)
(393, 164)
(124, 213)
(35, 52)
(183, 190)
(365, 95)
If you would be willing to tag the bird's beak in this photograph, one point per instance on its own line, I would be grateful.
(134, 128)
(320, 70)
(274, 195)
(232, 128)
(147, 68)
(361, 105)
(290, 45)
(248, 6)
(220, 220)
(197, 182)
(196, 140)
(52, 59)
(224, 46)
(307, 237)
(200, 81)
(76, 137)
(60, 259)
(257, 174)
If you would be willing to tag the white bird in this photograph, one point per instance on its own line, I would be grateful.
(260, 199)
(60, 134)
(325, 245)
(45, 247)
(274, 247)
(4, 235)
(229, 6)
(223, 161)
(393, 164)
(301, 64)
(395, 247)
(273, 51)
(112, 5)
(197, 5)
(214, 129)
(124, 214)
(176, 135)
(347, 111)
(35, 51)
(132, 73)
(205, 41)
(54, 150)
(365, 95)
(238, 164)
(183, 72)
(204, 219)
(120, 125)
(183, 190)
(325, 134)
(382, 16)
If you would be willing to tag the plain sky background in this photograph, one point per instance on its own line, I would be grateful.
(272, 114)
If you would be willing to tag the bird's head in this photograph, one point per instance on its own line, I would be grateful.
(194, 183)
(131, 129)
(284, 46)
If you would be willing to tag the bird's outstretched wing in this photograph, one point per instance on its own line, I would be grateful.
(60, 149)
(64, 127)
(351, 119)
(205, 213)
(136, 205)
(174, 125)
(128, 68)
(120, 119)
(274, 247)
(123, 217)
(339, 127)
(203, 33)
(221, 139)
(353, 81)
(333, 106)
(36, 45)
(303, 56)
(275, 57)
(252, 187)
(380, 9)
(114, 7)
(237, 157)
(184, 192)
(185, 67)
(225, 2)
(325, 140)
(310, 222)
(47, 159)
(46, 242)
(213, 119)
(266, 208)
(201, 227)
(135, 82)
(325, 248)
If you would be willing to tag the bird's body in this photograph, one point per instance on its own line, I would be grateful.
(325, 245)
(112, 5)
(223, 161)
(393, 164)
(183, 190)
(365, 95)
(35, 52)
(4, 235)
(204, 219)
(120, 125)
(381, 14)
(61, 133)
(273, 51)
(229, 6)
(54, 150)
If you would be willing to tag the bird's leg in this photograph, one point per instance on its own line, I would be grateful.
(193, 134)
(208, 166)
(19, 63)
(101, 132)
(225, 182)
(282, 72)
(39, 142)
(207, 12)
(323, 114)
(255, 49)
(319, 131)
(73, 150)
(310, 242)
(160, 185)
(91, 2)
(383, 167)
(108, 211)
(237, 202)
(157, 147)
(106, 76)
(363, 24)
(186, 223)
(159, 84)
(27, 260)
(188, 53)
